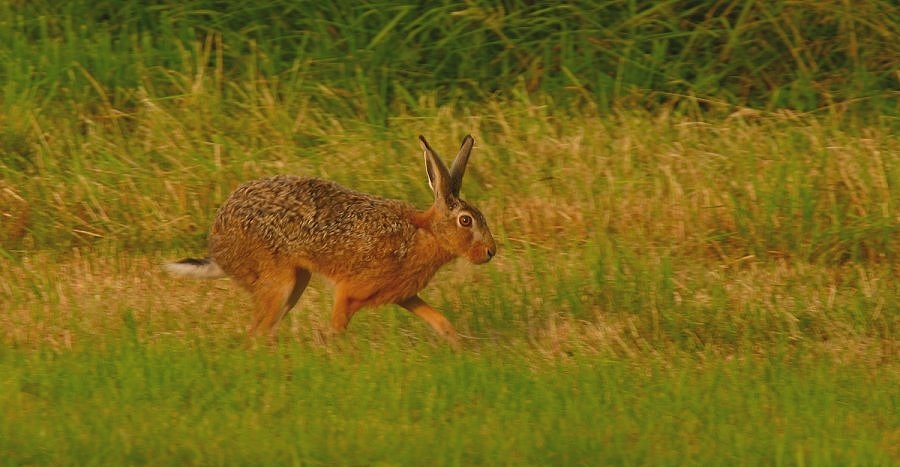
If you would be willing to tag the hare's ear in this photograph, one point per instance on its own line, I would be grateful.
(438, 175)
(459, 164)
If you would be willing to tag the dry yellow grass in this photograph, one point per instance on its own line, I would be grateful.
(629, 233)
(92, 298)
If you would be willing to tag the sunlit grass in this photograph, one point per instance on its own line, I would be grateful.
(749, 264)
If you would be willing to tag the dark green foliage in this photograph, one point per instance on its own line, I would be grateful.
(367, 59)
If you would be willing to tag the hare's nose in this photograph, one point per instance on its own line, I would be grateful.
(491, 252)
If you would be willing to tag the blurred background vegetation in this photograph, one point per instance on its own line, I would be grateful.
(370, 60)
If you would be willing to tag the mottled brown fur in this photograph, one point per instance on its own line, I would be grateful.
(271, 234)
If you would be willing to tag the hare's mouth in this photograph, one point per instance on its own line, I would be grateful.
(481, 254)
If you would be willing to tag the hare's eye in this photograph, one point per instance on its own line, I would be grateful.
(465, 220)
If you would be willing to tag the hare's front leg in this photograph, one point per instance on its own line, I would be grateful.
(433, 317)
(344, 307)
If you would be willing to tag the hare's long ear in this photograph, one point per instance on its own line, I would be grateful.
(438, 175)
(459, 164)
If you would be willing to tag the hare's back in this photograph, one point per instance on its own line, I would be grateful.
(310, 216)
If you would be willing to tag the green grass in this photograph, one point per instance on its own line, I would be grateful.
(172, 403)
(698, 257)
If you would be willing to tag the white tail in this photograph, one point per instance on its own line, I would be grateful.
(196, 268)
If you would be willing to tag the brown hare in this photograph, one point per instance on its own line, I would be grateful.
(272, 234)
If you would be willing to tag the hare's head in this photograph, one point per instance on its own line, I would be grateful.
(459, 225)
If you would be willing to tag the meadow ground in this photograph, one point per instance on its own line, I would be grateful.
(667, 291)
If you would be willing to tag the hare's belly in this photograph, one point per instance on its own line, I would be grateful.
(381, 286)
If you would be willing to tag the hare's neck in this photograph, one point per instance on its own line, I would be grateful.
(427, 247)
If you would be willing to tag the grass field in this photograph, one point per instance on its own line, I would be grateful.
(708, 278)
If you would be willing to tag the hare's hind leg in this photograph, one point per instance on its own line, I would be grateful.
(275, 295)
(432, 317)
